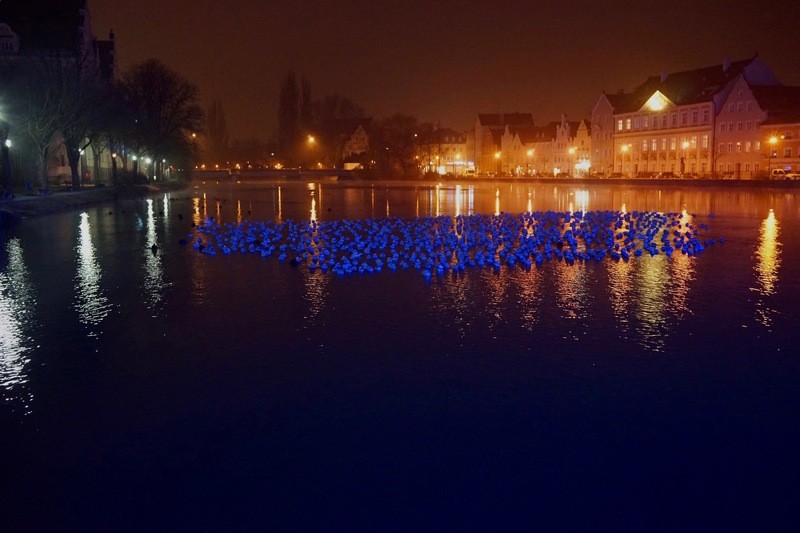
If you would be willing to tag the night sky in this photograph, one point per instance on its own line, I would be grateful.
(442, 61)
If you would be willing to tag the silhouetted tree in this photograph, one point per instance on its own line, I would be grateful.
(394, 148)
(288, 116)
(164, 109)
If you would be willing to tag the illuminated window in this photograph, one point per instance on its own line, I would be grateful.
(747, 146)
(619, 125)
(628, 123)
(654, 144)
(663, 143)
(757, 146)
(644, 145)
(693, 142)
(704, 141)
(673, 143)
(738, 147)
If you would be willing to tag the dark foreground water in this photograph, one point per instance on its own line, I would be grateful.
(178, 390)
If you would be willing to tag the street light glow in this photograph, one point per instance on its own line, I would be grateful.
(497, 155)
(311, 139)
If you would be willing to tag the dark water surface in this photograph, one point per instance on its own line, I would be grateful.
(178, 390)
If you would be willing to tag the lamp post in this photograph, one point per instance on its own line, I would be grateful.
(6, 164)
(497, 156)
(571, 160)
(114, 168)
(311, 141)
(623, 151)
(528, 168)
(684, 146)
(773, 141)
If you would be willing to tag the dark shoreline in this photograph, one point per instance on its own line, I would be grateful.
(28, 206)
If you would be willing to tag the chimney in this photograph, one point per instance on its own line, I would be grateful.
(726, 64)
(664, 75)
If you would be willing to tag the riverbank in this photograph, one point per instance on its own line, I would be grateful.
(27, 206)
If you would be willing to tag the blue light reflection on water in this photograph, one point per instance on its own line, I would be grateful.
(203, 369)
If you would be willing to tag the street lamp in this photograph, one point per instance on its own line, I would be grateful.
(684, 146)
(623, 152)
(571, 159)
(530, 155)
(497, 156)
(114, 168)
(773, 141)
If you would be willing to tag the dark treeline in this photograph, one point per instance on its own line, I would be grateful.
(392, 142)
(52, 101)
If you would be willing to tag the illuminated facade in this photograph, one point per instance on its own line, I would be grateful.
(669, 123)
(488, 144)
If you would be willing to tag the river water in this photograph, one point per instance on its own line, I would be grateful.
(162, 387)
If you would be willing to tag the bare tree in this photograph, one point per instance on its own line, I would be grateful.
(164, 110)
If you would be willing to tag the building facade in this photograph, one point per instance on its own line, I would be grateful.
(669, 123)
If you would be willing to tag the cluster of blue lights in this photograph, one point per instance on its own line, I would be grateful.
(437, 245)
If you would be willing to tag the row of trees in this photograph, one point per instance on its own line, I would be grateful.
(395, 142)
(49, 101)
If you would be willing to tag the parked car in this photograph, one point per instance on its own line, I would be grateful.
(666, 176)
(793, 176)
(777, 174)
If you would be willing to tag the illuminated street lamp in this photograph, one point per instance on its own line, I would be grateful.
(684, 146)
(773, 141)
(530, 155)
(497, 156)
(114, 168)
(571, 159)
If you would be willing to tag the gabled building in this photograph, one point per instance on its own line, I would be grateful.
(669, 122)
(345, 140)
(602, 130)
(489, 131)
